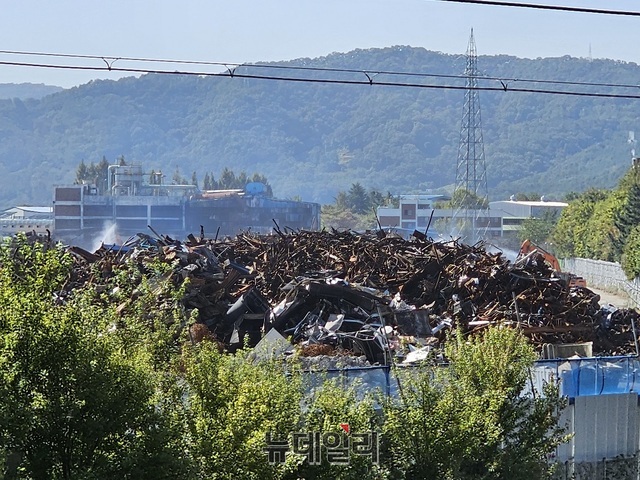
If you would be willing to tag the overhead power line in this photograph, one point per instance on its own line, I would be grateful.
(230, 66)
(561, 8)
(371, 77)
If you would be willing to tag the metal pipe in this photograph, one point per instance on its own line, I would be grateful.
(635, 335)
(109, 177)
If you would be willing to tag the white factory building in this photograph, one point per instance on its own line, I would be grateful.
(502, 218)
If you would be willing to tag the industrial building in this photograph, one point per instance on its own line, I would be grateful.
(501, 219)
(513, 212)
(131, 205)
(26, 219)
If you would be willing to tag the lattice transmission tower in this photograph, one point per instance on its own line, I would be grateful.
(471, 194)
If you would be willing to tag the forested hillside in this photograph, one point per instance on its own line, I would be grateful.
(27, 90)
(315, 139)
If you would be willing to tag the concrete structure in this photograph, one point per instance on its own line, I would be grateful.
(502, 218)
(413, 213)
(513, 212)
(130, 205)
(26, 219)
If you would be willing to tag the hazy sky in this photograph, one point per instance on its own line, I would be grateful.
(249, 31)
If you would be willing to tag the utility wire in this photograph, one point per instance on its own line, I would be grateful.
(560, 8)
(231, 73)
(114, 58)
(232, 66)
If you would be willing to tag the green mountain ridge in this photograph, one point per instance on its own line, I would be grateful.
(315, 139)
(27, 90)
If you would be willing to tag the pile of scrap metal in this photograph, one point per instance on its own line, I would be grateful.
(373, 295)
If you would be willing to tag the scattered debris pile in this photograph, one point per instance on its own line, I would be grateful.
(370, 295)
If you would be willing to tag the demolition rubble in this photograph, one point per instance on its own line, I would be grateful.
(363, 298)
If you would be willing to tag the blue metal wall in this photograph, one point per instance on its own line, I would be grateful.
(578, 377)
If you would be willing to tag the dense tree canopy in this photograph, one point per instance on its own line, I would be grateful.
(480, 393)
(314, 140)
(74, 403)
(604, 225)
(539, 229)
(355, 209)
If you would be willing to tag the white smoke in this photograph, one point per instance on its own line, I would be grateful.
(108, 235)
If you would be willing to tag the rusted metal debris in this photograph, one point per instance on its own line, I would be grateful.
(365, 294)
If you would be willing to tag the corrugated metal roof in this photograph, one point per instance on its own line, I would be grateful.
(36, 209)
(531, 203)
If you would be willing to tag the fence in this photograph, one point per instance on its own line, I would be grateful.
(578, 377)
(590, 376)
(620, 468)
(605, 275)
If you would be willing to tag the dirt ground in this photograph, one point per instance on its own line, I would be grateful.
(620, 300)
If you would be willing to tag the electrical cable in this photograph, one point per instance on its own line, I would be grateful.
(367, 72)
(325, 81)
(561, 8)
(231, 73)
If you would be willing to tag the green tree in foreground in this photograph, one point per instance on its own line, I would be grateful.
(471, 420)
(102, 383)
(234, 403)
(73, 404)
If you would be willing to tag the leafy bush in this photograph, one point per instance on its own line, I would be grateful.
(471, 420)
(630, 261)
(72, 404)
(570, 235)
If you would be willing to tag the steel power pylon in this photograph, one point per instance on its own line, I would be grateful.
(471, 171)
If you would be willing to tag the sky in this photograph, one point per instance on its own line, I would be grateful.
(245, 31)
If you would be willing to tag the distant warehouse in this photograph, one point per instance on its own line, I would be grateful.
(130, 205)
(26, 219)
(503, 218)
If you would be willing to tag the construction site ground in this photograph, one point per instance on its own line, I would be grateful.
(620, 300)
